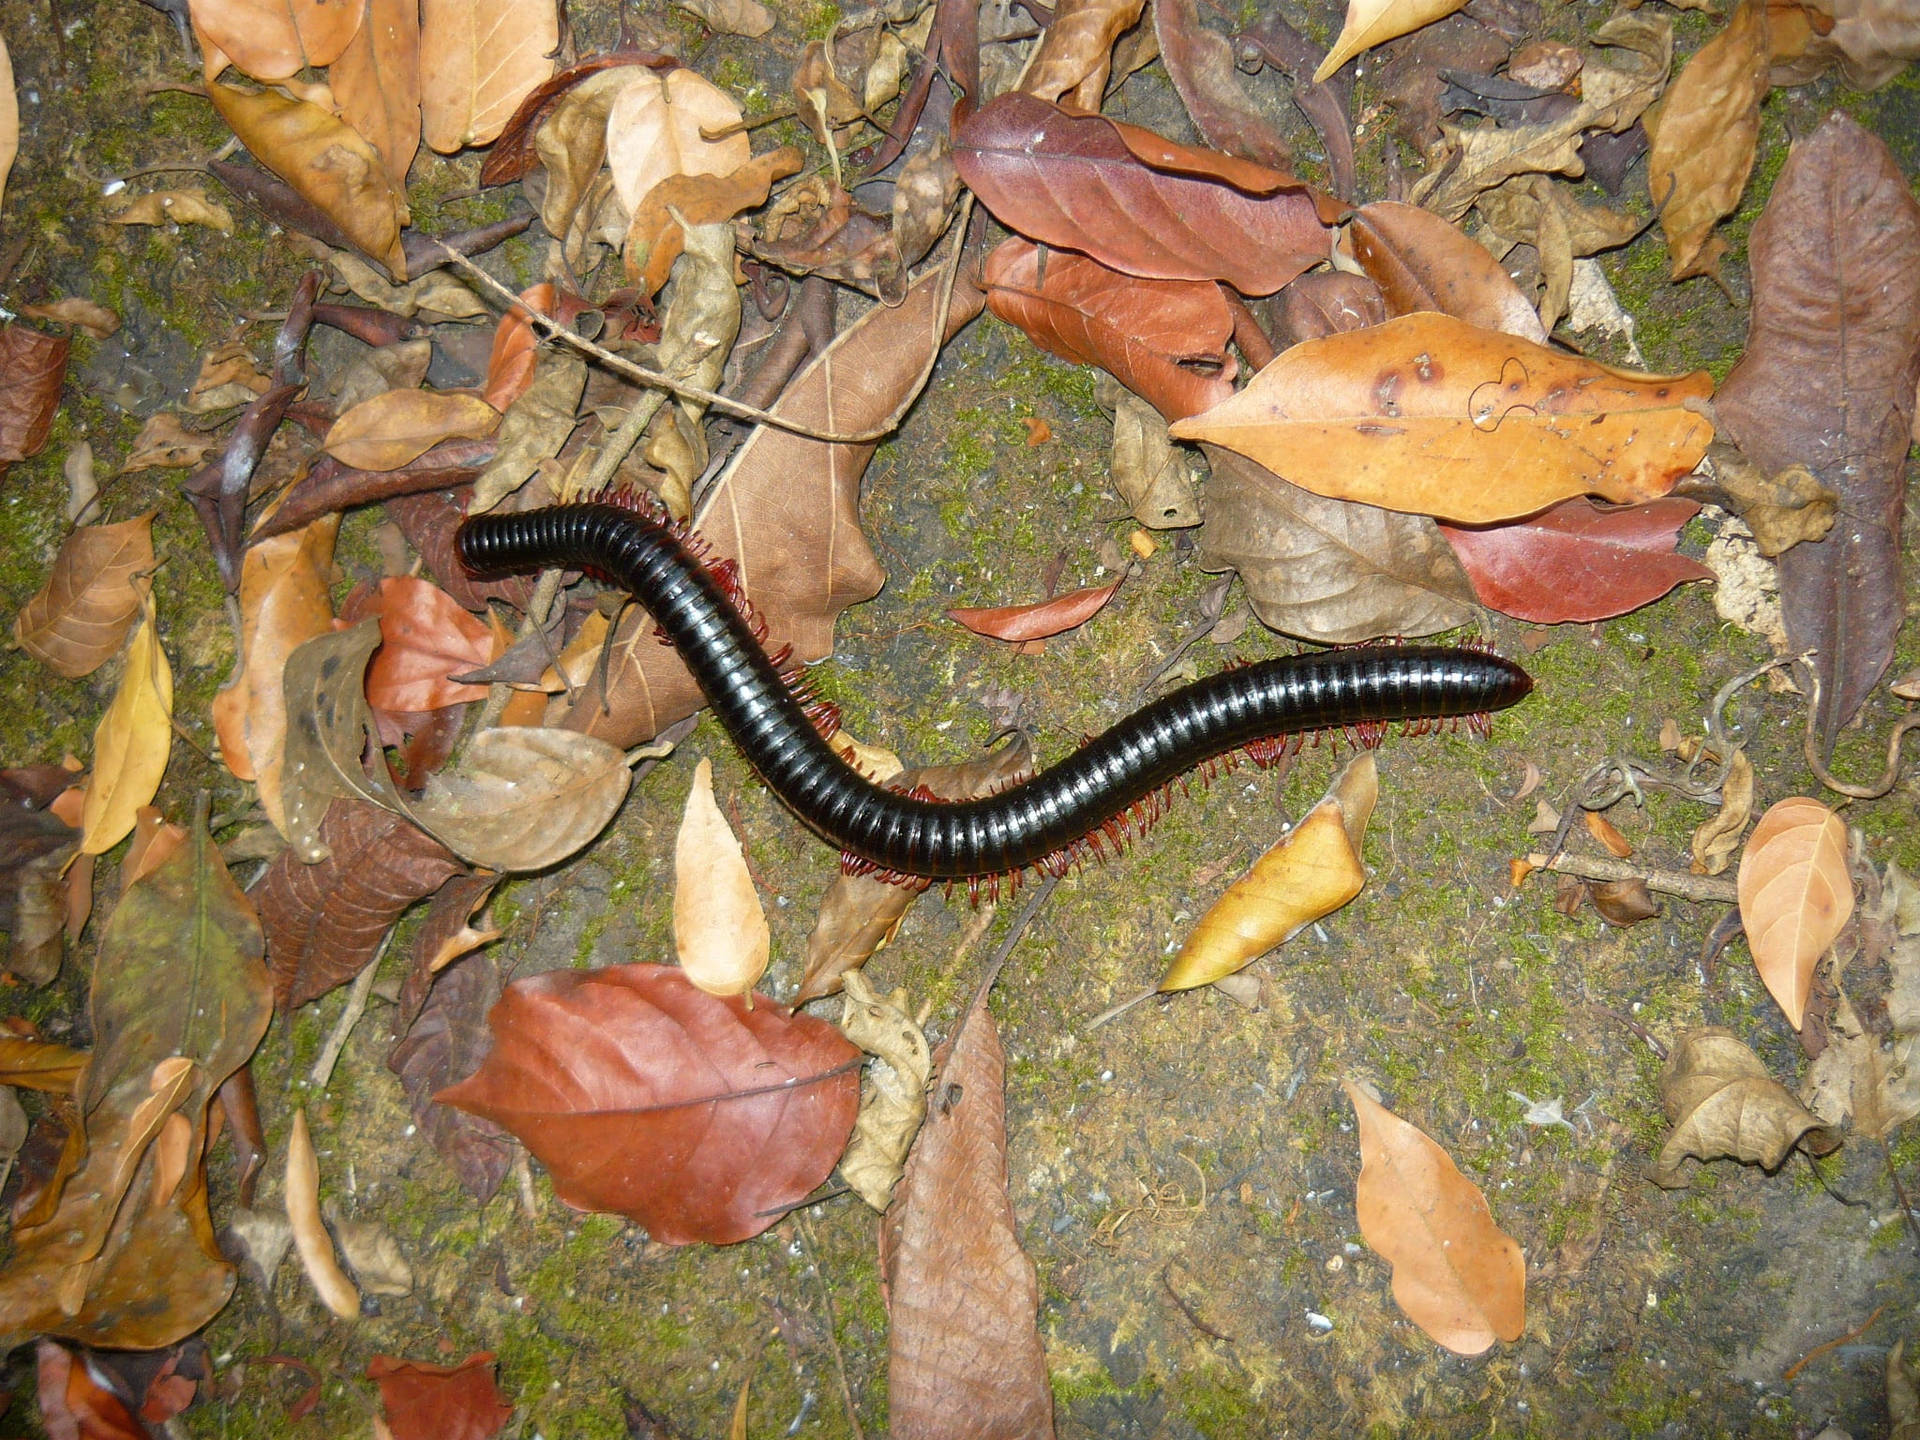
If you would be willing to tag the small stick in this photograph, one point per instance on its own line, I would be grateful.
(343, 1027)
(1703, 889)
(1193, 1319)
(1819, 1350)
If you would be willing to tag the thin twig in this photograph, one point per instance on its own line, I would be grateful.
(343, 1027)
(1703, 889)
(1635, 1026)
(1819, 1350)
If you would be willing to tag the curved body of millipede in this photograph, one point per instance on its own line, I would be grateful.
(1103, 789)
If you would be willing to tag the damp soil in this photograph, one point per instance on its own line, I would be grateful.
(1183, 1175)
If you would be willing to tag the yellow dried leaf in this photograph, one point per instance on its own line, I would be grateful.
(1795, 896)
(719, 930)
(1431, 415)
(1374, 22)
(397, 426)
(132, 741)
(1456, 1274)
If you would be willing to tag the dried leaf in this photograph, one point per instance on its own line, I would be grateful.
(965, 1351)
(731, 17)
(446, 1044)
(78, 619)
(1795, 896)
(326, 162)
(175, 207)
(696, 337)
(164, 442)
(132, 741)
(328, 722)
(478, 60)
(1828, 379)
(1781, 510)
(1326, 570)
(1374, 22)
(1199, 61)
(1309, 872)
(83, 315)
(1074, 58)
(1715, 841)
(1423, 262)
(376, 82)
(719, 930)
(310, 1237)
(9, 119)
(1087, 183)
(1152, 476)
(1145, 333)
(274, 39)
(698, 1117)
(398, 426)
(1859, 1081)
(325, 922)
(426, 638)
(1019, 623)
(654, 130)
(440, 1402)
(74, 1404)
(524, 798)
(33, 367)
(1703, 143)
(1724, 1105)
(1623, 902)
(372, 1253)
(1578, 561)
(1537, 211)
(893, 1098)
(655, 238)
(1456, 1274)
(40, 1065)
(1872, 41)
(1431, 415)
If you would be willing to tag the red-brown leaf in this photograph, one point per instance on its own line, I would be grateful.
(425, 637)
(329, 486)
(1142, 332)
(699, 1117)
(1578, 561)
(1136, 201)
(966, 1354)
(325, 922)
(33, 366)
(446, 1045)
(429, 521)
(440, 1402)
(1039, 620)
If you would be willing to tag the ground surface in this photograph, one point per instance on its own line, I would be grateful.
(1184, 1175)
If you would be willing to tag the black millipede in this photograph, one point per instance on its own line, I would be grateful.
(1049, 821)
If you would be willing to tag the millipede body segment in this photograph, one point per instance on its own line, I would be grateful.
(1048, 821)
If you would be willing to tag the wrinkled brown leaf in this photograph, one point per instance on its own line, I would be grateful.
(164, 442)
(274, 39)
(78, 619)
(446, 1044)
(1716, 839)
(1152, 474)
(1017, 623)
(654, 130)
(1724, 1105)
(1075, 54)
(398, 426)
(440, 1402)
(174, 207)
(893, 1097)
(33, 367)
(1199, 61)
(426, 638)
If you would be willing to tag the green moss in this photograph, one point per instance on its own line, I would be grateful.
(817, 20)
(1217, 1404)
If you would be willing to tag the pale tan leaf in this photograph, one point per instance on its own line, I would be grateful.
(9, 119)
(1374, 22)
(1795, 896)
(372, 1252)
(274, 39)
(478, 60)
(719, 930)
(175, 207)
(523, 798)
(310, 1235)
(1717, 838)
(731, 17)
(893, 1097)
(654, 130)
(397, 426)
(79, 617)
(84, 315)
(1456, 1274)
(132, 742)
(1724, 1105)
(1858, 1081)
(163, 442)
(376, 82)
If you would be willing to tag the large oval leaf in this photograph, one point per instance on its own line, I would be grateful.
(525, 798)
(1795, 896)
(396, 426)
(478, 60)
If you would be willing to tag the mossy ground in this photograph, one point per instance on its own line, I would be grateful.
(1184, 1175)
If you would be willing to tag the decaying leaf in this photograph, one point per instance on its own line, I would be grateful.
(426, 638)
(1795, 896)
(1724, 1105)
(1200, 63)
(1781, 510)
(174, 207)
(86, 316)
(1311, 871)
(1716, 839)
(77, 620)
(1151, 474)
(965, 1352)
(1872, 41)
(33, 367)
(523, 798)
(445, 1044)
(164, 442)
(440, 1402)
(9, 119)
(1422, 262)
(699, 1117)
(478, 60)
(1429, 414)
(397, 426)
(893, 1098)
(372, 1253)
(310, 1238)
(655, 237)
(1075, 54)
(1374, 22)
(1703, 143)
(376, 83)
(1860, 1081)
(654, 129)
(132, 741)
(1545, 213)
(719, 930)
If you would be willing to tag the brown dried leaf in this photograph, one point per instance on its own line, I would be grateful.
(1872, 41)
(78, 619)
(1602, 829)
(83, 315)
(9, 119)
(426, 638)
(478, 60)
(165, 443)
(522, 798)
(1723, 1104)
(698, 1117)
(1152, 475)
(325, 922)
(1199, 61)
(1623, 902)
(440, 1402)
(444, 1045)
(328, 722)
(655, 239)
(1796, 895)
(1456, 1274)
(1018, 623)
(33, 367)
(719, 930)
(1075, 54)
(274, 39)
(1859, 1081)
(893, 1098)
(376, 82)
(175, 207)
(398, 426)
(965, 1352)
(1716, 839)
(1423, 262)
(1703, 143)
(1537, 211)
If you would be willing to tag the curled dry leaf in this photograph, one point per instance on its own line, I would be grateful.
(1724, 1105)
(328, 722)
(1796, 894)
(1421, 261)
(1166, 340)
(440, 1402)
(524, 798)
(719, 930)
(33, 367)
(1610, 838)
(1037, 621)
(655, 237)
(1715, 841)
(398, 426)
(163, 442)
(1075, 54)
(1152, 474)
(478, 60)
(1374, 22)
(893, 1098)
(372, 1253)
(310, 1237)
(1431, 415)
(654, 130)
(81, 615)
(132, 741)
(445, 1044)
(84, 315)
(699, 1117)
(1456, 1274)
(1704, 141)
(1623, 902)
(9, 119)
(1136, 201)
(1311, 871)
(965, 1351)
(174, 207)
(1578, 561)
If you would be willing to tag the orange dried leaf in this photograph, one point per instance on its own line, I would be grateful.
(1603, 830)
(274, 39)
(1795, 896)
(1041, 619)
(398, 426)
(478, 60)
(516, 348)
(1456, 1274)
(425, 638)
(719, 930)
(1432, 415)
(376, 82)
